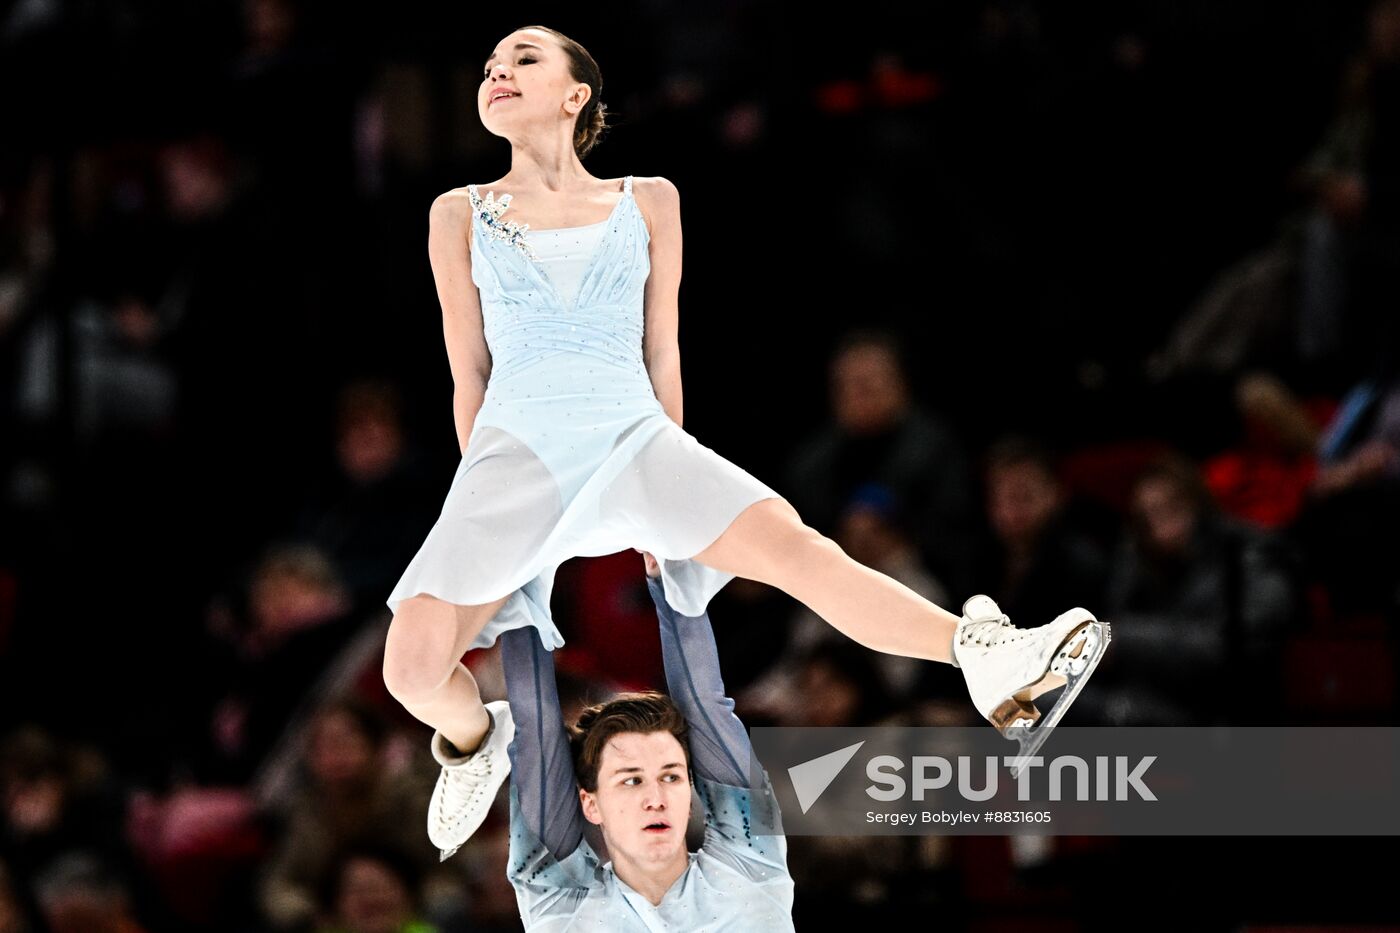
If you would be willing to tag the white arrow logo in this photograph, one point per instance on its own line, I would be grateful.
(811, 778)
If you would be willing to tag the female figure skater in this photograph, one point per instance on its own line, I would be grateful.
(561, 329)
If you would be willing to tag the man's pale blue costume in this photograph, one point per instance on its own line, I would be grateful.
(737, 880)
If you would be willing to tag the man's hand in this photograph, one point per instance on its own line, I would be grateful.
(653, 568)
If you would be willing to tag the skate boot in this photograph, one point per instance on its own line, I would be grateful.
(467, 786)
(1006, 668)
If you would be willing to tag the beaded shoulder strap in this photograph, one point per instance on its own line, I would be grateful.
(627, 185)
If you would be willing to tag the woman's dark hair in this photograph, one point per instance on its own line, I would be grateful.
(1014, 450)
(592, 119)
(877, 336)
(368, 847)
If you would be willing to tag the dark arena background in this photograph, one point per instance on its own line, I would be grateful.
(1078, 303)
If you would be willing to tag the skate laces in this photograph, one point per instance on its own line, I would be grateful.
(471, 774)
(464, 784)
(990, 632)
(468, 779)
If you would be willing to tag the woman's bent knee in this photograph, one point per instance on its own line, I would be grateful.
(420, 650)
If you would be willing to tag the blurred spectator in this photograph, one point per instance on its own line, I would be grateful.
(371, 517)
(16, 915)
(493, 905)
(351, 791)
(292, 104)
(244, 355)
(79, 893)
(836, 685)
(1313, 302)
(1361, 445)
(123, 384)
(199, 846)
(839, 684)
(57, 798)
(1264, 478)
(1348, 528)
(875, 530)
(1349, 268)
(1198, 605)
(878, 434)
(371, 890)
(835, 682)
(26, 244)
(268, 662)
(1037, 565)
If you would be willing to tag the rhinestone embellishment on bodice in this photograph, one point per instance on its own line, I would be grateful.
(507, 231)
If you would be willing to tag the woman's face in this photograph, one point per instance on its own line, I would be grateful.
(533, 69)
(1165, 516)
(339, 753)
(372, 898)
(831, 698)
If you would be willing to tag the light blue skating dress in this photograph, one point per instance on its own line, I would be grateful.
(571, 454)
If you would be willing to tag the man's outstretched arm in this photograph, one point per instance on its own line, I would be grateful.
(719, 746)
(541, 767)
(741, 817)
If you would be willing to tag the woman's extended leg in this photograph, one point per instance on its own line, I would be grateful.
(770, 543)
(423, 666)
(1006, 669)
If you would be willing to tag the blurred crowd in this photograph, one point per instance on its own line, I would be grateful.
(226, 417)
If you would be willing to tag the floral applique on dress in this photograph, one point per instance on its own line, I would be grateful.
(507, 231)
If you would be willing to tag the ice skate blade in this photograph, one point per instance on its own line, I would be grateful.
(1020, 705)
(445, 854)
(1018, 719)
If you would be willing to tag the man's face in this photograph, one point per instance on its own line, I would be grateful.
(643, 797)
(1165, 515)
(867, 390)
(1023, 499)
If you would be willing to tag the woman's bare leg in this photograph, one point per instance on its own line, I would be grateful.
(423, 666)
(770, 543)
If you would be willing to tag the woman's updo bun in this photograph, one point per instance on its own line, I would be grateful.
(592, 119)
(589, 132)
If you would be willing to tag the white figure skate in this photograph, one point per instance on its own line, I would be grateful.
(1006, 668)
(467, 786)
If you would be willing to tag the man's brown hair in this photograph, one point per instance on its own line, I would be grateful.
(628, 712)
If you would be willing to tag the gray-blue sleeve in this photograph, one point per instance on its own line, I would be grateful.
(719, 745)
(541, 766)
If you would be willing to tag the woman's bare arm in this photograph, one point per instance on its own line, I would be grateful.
(661, 341)
(449, 250)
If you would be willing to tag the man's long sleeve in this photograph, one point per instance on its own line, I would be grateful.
(719, 745)
(541, 765)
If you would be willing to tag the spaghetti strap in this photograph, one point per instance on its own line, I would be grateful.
(627, 185)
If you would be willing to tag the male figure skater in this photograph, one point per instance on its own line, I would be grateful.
(627, 767)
